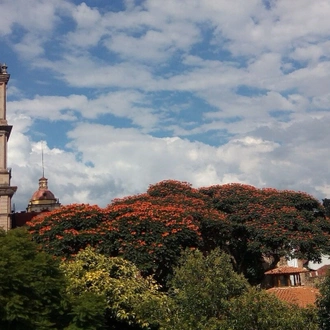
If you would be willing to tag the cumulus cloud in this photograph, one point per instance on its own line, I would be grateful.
(203, 91)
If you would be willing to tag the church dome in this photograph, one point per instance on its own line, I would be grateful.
(42, 194)
(43, 199)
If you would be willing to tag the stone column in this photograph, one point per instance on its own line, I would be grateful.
(6, 191)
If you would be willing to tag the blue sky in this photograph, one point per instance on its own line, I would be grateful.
(123, 94)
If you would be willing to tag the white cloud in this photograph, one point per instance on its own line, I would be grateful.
(32, 15)
(322, 102)
(48, 107)
(117, 162)
(89, 27)
(155, 45)
(84, 72)
(31, 23)
(86, 17)
(122, 104)
(253, 79)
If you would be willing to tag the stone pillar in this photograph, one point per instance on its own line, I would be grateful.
(6, 191)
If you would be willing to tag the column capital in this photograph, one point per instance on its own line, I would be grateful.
(4, 75)
(6, 129)
(7, 190)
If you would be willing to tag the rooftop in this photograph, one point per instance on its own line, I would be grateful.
(286, 270)
(299, 295)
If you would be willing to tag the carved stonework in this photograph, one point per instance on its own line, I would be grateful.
(4, 78)
(6, 190)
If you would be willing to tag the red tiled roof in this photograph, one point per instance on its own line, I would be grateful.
(286, 270)
(299, 295)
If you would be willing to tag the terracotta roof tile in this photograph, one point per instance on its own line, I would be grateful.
(286, 270)
(299, 295)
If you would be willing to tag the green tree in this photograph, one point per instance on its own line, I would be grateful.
(30, 284)
(268, 223)
(86, 311)
(207, 294)
(251, 225)
(116, 282)
(257, 309)
(149, 229)
(152, 229)
(201, 291)
(326, 205)
(323, 303)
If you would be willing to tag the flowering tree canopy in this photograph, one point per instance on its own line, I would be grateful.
(65, 231)
(152, 229)
(270, 223)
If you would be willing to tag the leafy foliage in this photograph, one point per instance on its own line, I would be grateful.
(257, 309)
(270, 223)
(92, 291)
(153, 231)
(65, 231)
(150, 229)
(207, 294)
(115, 281)
(202, 290)
(323, 303)
(326, 205)
(86, 311)
(252, 225)
(31, 284)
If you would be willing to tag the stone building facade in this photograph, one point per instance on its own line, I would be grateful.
(6, 190)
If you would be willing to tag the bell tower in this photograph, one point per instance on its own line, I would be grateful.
(6, 191)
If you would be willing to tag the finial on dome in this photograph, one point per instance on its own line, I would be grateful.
(42, 161)
(43, 183)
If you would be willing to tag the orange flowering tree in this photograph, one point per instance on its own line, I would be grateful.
(151, 229)
(268, 224)
(67, 230)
